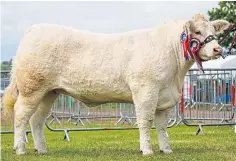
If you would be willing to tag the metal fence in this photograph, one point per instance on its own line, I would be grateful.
(208, 100)
(69, 114)
(6, 128)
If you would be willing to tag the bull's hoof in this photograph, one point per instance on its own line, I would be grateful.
(166, 151)
(18, 152)
(147, 152)
(20, 149)
(41, 151)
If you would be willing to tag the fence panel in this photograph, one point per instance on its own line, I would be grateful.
(68, 114)
(209, 98)
(6, 125)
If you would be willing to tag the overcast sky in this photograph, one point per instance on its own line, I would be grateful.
(106, 17)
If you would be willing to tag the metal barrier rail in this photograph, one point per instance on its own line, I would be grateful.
(69, 114)
(209, 99)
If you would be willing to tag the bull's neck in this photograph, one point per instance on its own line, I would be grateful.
(183, 65)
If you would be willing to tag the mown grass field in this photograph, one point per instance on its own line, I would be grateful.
(218, 144)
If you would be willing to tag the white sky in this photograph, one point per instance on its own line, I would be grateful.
(106, 17)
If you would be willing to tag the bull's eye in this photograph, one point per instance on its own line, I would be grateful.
(198, 33)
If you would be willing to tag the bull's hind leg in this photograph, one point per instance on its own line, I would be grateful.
(38, 119)
(24, 109)
(161, 120)
(145, 100)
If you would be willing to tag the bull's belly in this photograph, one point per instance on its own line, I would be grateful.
(96, 93)
(92, 96)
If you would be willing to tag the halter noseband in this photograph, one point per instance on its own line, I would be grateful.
(207, 40)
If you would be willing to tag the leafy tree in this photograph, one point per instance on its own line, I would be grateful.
(226, 11)
(6, 65)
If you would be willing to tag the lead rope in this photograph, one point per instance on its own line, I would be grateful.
(233, 41)
(227, 33)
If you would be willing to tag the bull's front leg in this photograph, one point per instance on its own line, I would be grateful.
(161, 120)
(145, 100)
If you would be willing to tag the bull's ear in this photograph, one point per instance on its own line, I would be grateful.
(220, 25)
(189, 26)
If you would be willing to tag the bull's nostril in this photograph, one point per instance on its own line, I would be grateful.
(218, 50)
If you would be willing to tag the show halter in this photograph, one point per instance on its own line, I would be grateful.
(191, 47)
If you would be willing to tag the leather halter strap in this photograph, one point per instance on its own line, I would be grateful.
(207, 40)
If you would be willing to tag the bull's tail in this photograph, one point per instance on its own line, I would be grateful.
(10, 96)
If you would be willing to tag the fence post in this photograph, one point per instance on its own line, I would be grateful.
(182, 102)
(233, 101)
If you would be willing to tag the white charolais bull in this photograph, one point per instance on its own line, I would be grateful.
(145, 67)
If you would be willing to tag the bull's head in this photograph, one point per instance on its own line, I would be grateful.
(204, 30)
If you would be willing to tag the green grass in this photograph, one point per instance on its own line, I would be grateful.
(218, 143)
